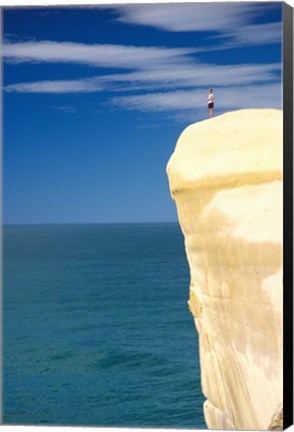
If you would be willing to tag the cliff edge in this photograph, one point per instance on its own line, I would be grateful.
(225, 176)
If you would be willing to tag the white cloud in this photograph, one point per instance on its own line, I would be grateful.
(58, 86)
(255, 34)
(187, 16)
(254, 96)
(65, 108)
(197, 75)
(233, 22)
(160, 77)
(115, 56)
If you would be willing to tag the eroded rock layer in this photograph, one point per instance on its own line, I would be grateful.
(225, 176)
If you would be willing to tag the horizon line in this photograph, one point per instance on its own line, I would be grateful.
(89, 223)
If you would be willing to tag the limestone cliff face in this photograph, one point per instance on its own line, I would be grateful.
(225, 176)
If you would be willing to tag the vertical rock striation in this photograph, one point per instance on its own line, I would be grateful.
(225, 176)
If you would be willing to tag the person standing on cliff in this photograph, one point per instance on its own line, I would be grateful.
(210, 101)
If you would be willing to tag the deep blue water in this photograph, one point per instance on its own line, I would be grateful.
(96, 327)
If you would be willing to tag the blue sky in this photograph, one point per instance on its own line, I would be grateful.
(94, 99)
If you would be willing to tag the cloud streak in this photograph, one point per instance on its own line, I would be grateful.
(147, 67)
(187, 16)
(226, 98)
(57, 86)
(261, 34)
(160, 77)
(98, 55)
(197, 75)
(233, 22)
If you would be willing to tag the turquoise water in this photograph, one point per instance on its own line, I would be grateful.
(96, 327)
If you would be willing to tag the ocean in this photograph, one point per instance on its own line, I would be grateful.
(96, 328)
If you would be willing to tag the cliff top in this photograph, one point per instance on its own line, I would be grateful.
(235, 148)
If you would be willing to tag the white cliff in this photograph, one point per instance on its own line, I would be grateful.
(225, 176)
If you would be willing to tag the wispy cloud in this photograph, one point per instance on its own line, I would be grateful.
(58, 86)
(65, 108)
(99, 55)
(159, 77)
(254, 96)
(254, 34)
(196, 75)
(233, 23)
(187, 16)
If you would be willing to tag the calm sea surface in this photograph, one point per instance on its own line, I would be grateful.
(96, 327)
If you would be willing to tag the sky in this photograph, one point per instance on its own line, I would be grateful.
(95, 98)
